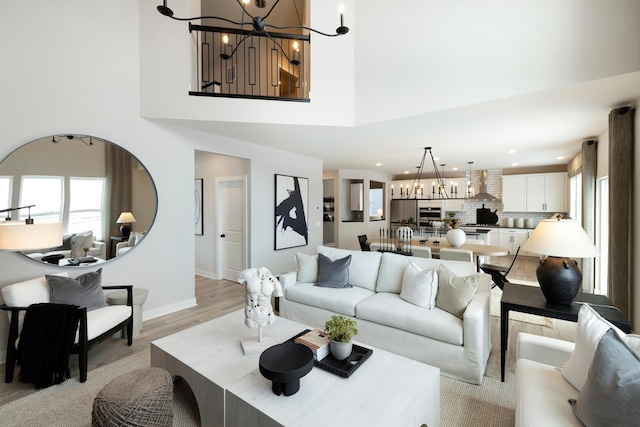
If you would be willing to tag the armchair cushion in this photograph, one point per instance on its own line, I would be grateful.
(611, 393)
(83, 291)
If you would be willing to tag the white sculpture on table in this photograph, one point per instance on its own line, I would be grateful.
(259, 284)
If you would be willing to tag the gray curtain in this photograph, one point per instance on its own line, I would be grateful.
(621, 178)
(119, 185)
(589, 165)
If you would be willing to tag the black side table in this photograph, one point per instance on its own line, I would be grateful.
(112, 245)
(529, 299)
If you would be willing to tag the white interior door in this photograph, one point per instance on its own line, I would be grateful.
(232, 218)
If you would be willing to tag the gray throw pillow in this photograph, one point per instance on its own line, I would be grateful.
(333, 274)
(83, 291)
(611, 394)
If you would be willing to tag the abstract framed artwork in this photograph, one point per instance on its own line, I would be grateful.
(198, 205)
(291, 211)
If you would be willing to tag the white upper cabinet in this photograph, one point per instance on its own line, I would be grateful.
(514, 193)
(545, 192)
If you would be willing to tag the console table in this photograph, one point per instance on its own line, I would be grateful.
(529, 299)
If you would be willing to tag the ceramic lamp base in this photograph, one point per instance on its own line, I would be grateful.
(560, 280)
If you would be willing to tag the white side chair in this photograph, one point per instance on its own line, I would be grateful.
(421, 251)
(456, 254)
(475, 242)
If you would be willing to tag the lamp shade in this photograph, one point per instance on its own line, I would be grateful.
(560, 238)
(125, 218)
(17, 236)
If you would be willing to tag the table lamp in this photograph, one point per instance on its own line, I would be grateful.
(19, 236)
(560, 239)
(125, 218)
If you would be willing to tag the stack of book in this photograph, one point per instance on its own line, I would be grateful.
(317, 341)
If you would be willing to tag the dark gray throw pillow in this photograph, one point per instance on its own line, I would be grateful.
(333, 274)
(611, 394)
(83, 291)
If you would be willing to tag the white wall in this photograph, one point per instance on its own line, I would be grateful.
(169, 68)
(77, 70)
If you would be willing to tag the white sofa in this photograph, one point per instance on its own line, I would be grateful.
(79, 241)
(459, 347)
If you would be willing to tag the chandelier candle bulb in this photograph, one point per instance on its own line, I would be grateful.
(341, 10)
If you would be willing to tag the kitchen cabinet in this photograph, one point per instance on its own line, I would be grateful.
(545, 192)
(514, 193)
(511, 239)
(453, 205)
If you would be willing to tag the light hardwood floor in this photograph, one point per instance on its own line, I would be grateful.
(218, 297)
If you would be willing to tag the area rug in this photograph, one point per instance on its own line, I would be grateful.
(69, 404)
(496, 296)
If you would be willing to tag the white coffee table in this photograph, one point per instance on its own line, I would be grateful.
(230, 391)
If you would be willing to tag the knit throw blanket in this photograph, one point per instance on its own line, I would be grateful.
(45, 343)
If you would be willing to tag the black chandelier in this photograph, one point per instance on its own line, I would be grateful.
(258, 24)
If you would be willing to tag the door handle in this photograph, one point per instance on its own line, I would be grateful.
(223, 235)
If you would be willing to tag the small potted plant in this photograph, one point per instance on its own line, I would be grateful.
(341, 330)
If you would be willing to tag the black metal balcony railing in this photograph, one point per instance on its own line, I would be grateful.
(274, 68)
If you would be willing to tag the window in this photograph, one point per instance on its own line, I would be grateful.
(376, 200)
(575, 197)
(46, 193)
(86, 196)
(5, 191)
(602, 235)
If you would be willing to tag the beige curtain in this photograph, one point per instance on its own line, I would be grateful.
(589, 168)
(119, 185)
(621, 178)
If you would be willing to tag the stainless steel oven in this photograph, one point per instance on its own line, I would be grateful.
(429, 211)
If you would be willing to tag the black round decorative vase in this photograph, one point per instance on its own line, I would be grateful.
(560, 280)
(284, 364)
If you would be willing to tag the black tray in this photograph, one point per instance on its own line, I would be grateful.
(344, 368)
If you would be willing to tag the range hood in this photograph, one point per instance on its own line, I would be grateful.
(483, 195)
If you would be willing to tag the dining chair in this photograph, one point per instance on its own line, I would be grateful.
(498, 272)
(456, 254)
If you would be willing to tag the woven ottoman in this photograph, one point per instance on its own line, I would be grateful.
(139, 398)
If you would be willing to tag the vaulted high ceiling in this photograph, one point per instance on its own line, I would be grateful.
(472, 80)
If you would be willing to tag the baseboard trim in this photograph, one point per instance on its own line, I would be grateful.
(207, 274)
(168, 309)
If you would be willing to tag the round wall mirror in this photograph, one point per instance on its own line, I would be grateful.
(102, 194)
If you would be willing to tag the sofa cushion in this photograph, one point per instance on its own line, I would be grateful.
(333, 274)
(307, 267)
(363, 271)
(611, 393)
(455, 293)
(419, 287)
(392, 269)
(389, 309)
(83, 291)
(590, 329)
(341, 301)
(542, 395)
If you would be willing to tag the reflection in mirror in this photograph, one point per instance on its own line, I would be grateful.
(85, 183)
(376, 201)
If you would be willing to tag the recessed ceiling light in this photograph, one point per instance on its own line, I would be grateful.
(511, 151)
(455, 169)
(514, 164)
(378, 164)
(560, 158)
(436, 158)
(406, 172)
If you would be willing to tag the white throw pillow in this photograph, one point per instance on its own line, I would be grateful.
(455, 293)
(419, 287)
(307, 267)
(590, 330)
